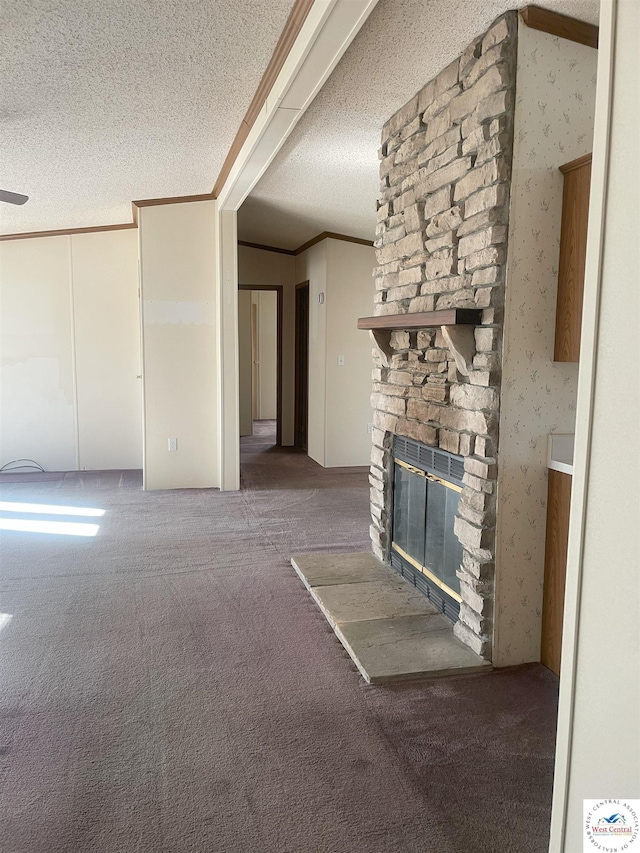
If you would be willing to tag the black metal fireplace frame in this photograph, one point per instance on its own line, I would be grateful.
(447, 469)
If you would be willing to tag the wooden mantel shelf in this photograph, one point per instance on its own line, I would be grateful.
(457, 330)
(423, 319)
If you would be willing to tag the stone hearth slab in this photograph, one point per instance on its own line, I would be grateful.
(331, 569)
(407, 647)
(385, 599)
(390, 629)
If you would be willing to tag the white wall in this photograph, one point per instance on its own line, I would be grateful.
(350, 292)
(258, 266)
(38, 393)
(107, 349)
(311, 266)
(339, 409)
(245, 362)
(267, 352)
(70, 351)
(598, 749)
(227, 367)
(553, 125)
(178, 275)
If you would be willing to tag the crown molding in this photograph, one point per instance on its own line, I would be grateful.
(324, 235)
(296, 19)
(66, 231)
(264, 248)
(331, 235)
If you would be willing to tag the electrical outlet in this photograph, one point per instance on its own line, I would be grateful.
(173, 444)
(370, 429)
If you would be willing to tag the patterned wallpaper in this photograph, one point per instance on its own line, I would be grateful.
(553, 125)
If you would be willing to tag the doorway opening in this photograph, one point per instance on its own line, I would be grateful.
(301, 415)
(260, 309)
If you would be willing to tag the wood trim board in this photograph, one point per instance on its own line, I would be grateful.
(324, 235)
(66, 231)
(296, 19)
(178, 199)
(576, 164)
(150, 202)
(423, 319)
(560, 25)
(265, 248)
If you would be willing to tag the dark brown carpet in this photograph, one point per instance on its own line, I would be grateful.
(169, 687)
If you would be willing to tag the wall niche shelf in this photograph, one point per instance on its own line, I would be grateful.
(456, 324)
(423, 319)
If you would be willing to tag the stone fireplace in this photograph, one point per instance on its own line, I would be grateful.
(441, 245)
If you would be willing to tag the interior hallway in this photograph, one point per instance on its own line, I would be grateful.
(169, 686)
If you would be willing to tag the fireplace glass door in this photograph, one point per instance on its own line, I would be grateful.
(424, 507)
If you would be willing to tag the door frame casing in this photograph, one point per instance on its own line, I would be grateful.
(298, 377)
(279, 290)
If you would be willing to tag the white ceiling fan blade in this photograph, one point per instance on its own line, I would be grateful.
(13, 198)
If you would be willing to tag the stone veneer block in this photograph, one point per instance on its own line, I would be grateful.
(322, 569)
(407, 647)
(382, 599)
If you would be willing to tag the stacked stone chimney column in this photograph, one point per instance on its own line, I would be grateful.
(441, 242)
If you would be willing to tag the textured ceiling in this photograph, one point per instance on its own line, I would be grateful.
(325, 177)
(105, 101)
